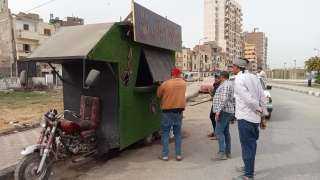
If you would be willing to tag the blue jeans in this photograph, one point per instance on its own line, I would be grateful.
(223, 133)
(249, 134)
(171, 120)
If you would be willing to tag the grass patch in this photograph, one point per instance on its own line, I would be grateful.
(27, 107)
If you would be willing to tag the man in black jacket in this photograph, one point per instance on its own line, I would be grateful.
(216, 84)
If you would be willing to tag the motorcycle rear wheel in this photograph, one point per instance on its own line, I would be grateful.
(27, 167)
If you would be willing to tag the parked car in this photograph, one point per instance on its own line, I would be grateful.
(191, 76)
(267, 94)
(207, 85)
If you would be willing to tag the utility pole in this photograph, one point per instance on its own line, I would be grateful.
(14, 47)
(295, 69)
(284, 70)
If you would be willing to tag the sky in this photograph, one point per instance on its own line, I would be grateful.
(292, 26)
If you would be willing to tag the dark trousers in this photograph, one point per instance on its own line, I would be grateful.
(249, 134)
(213, 121)
(223, 133)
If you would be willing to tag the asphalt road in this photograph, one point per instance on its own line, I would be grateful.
(288, 150)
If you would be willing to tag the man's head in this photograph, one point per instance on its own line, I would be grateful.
(230, 68)
(239, 65)
(217, 77)
(176, 73)
(224, 75)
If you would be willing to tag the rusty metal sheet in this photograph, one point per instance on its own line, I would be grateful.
(155, 30)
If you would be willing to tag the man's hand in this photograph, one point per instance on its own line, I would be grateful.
(217, 116)
(263, 124)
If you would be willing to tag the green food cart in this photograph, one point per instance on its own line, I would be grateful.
(133, 56)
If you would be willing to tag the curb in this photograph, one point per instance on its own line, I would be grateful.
(312, 93)
(18, 129)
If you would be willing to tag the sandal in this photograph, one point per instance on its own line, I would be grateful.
(164, 158)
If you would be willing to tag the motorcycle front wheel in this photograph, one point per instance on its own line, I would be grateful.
(27, 168)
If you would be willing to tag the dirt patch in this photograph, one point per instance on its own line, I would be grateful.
(18, 108)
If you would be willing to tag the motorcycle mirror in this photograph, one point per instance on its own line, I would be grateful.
(23, 78)
(92, 77)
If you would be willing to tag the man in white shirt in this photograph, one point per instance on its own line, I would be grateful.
(250, 107)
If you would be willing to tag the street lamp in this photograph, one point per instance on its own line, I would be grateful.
(199, 55)
(295, 69)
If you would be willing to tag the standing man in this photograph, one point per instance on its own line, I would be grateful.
(250, 106)
(310, 79)
(216, 84)
(223, 107)
(173, 102)
(262, 74)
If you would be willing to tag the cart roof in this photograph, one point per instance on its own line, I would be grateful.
(69, 43)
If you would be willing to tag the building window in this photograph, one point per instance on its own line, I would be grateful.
(47, 32)
(26, 48)
(26, 27)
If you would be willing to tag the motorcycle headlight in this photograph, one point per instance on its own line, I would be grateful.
(43, 123)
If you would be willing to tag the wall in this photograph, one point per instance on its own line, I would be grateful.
(287, 74)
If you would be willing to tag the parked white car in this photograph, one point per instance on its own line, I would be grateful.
(267, 94)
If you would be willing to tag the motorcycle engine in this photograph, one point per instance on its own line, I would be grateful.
(77, 145)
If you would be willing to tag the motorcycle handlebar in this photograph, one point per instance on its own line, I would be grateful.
(74, 114)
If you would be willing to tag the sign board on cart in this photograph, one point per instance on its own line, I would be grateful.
(155, 30)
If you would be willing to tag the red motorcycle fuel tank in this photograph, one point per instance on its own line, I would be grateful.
(69, 127)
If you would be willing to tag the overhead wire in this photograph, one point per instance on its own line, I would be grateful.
(40, 5)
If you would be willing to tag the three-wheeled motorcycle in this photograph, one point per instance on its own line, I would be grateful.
(110, 73)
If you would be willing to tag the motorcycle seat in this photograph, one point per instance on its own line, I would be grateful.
(85, 125)
(81, 125)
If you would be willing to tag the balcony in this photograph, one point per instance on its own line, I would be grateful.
(30, 35)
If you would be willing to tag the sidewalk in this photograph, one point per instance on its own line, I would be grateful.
(296, 88)
(11, 145)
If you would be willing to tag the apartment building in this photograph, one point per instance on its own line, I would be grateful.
(184, 59)
(233, 30)
(223, 24)
(251, 56)
(208, 58)
(6, 40)
(21, 34)
(70, 21)
(30, 32)
(260, 40)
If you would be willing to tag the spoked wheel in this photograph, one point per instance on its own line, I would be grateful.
(27, 168)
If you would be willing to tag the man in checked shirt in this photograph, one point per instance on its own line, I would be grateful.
(223, 107)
